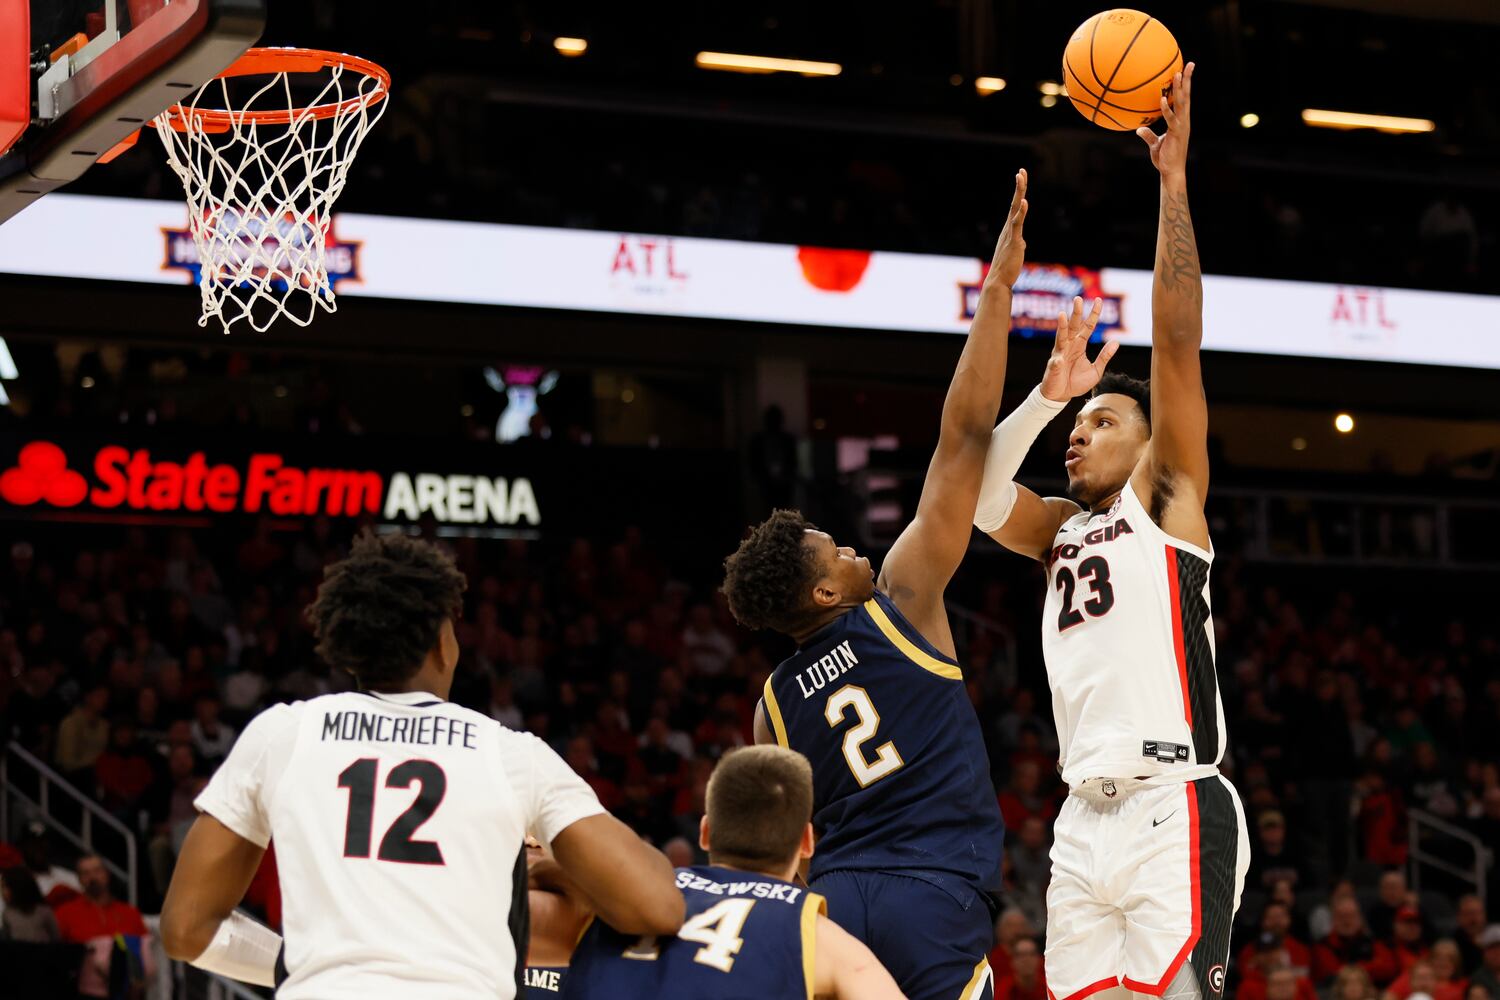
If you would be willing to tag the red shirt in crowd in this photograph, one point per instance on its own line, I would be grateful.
(1333, 953)
(1254, 988)
(1298, 954)
(81, 920)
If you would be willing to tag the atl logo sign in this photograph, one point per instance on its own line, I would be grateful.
(132, 480)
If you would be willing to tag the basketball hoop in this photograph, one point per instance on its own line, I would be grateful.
(262, 167)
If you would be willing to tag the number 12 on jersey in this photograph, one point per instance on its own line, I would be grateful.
(397, 844)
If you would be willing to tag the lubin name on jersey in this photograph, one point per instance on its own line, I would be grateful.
(426, 730)
(830, 665)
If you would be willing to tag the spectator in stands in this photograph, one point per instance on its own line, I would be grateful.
(1408, 940)
(124, 772)
(1392, 894)
(95, 920)
(56, 883)
(1488, 973)
(1348, 942)
(1278, 984)
(1012, 927)
(27, 917)
(211, 737)
(706, 650)
(1030, 861)
(1025, 981)
(1453, 981)
(1023, 797)
(1275, 934)
(1353, 983)
(83, 735)
(172, 812)
(1471, 919)
(1421, 978)
(1382, 813)
(1272, 860)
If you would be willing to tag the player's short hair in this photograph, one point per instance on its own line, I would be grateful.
(1137, 389)
(379, 611)
(768, 578)
(760, 800)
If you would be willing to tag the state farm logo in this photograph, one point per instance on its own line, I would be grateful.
(134, 481)
(42, 473)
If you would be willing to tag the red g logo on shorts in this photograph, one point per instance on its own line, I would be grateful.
(42, 473)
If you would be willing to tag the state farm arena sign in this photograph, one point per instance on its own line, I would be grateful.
(49, 478)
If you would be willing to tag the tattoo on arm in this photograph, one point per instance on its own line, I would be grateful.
(1178, 266)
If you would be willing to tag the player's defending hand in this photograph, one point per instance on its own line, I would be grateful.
(1010, 250)
(1169, 150)
(1069, 372)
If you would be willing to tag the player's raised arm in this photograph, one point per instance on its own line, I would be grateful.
(1010, 513)
(924, 558)
(1175, 472)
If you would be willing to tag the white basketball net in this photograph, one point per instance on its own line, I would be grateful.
(260, 196)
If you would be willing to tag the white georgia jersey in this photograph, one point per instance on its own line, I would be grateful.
(1128, 640)
(399, 822)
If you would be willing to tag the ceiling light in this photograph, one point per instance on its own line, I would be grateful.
(1343, 423)
(1048, 101)
(765, 64)
(1249, 120)
(988, 85)
(571, 46)
(1052, 88)
(1353, 120)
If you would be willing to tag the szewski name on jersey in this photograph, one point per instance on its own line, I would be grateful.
(781, 891)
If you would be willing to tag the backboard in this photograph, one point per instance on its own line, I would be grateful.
(79, 77)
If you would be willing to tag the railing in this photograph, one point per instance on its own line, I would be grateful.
(979, 623)
(1417, 822)
(172, 977)
(90, 812)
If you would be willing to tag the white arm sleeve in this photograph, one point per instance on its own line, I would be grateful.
(1008, 446)
(242, 949)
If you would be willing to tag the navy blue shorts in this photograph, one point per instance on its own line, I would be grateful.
(935, 940)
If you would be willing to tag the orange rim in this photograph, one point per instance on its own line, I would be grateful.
(283, 60)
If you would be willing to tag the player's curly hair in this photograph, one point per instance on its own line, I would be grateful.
(768, 577)
(1137, 389)
(379, 611)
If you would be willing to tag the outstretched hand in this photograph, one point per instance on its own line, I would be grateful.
(1169, 150)
(1069, 372)
(1010, 251)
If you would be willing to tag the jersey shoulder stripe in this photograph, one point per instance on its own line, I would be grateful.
(773, 715)
(910, 649)
(813, 907)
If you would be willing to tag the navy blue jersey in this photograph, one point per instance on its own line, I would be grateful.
(746, 937)
(543, 983)
(901, 779)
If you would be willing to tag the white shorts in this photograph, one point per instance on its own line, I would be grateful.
(1142, 882)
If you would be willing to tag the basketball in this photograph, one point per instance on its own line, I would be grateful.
(1117, 66)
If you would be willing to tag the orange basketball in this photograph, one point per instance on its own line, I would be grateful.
(1117, 66)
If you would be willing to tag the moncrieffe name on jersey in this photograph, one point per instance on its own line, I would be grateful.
(424, 730)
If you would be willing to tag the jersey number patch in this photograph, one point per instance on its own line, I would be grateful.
(397, 844)
(1095, 570)
(717, 928)
(887, 759)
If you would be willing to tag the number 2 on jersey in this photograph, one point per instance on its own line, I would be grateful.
(1096, 571)
(397, 844)
(887, 759)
